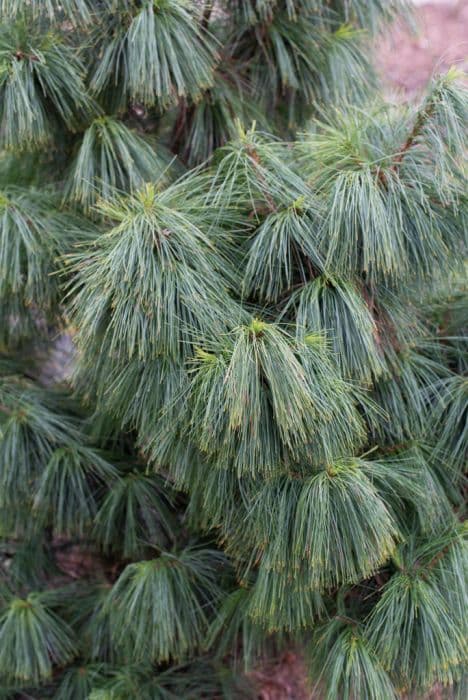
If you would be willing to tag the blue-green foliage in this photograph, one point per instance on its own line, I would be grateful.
(263, 438)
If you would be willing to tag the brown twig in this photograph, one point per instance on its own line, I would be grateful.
(425, 113)
(418, 125)
(207, 14)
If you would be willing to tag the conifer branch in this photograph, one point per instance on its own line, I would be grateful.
(267, 435)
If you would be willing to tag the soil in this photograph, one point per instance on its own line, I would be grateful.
(407, 58)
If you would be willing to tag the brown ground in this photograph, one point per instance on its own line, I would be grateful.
(284, 679)
(406, 59)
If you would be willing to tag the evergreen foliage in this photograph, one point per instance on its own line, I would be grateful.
(33, 639)
(33, 234)
(111, 156)
(163, 604)
(263, 439)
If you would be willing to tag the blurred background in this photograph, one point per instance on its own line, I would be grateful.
(407, 57)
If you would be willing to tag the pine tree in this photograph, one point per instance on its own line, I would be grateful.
(263, 441)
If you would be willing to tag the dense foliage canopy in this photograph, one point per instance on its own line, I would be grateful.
(263, 439)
